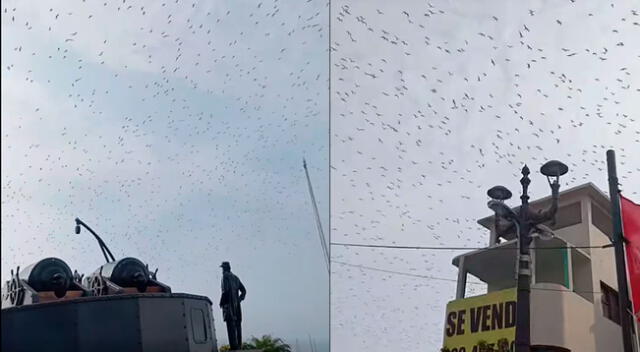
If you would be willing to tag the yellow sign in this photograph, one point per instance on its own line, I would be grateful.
(488, 318)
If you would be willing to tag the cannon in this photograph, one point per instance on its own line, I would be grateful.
(123, 307)
(49, 279)
(126, 275)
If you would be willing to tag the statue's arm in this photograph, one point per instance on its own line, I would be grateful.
(224, 297)
(243, 291)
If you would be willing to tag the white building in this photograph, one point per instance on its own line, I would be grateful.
(573, 293)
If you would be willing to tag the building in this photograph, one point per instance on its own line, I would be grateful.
(574, 302)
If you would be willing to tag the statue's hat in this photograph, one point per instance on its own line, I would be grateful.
(225, 265)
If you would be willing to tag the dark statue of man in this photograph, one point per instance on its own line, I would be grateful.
(233, 292)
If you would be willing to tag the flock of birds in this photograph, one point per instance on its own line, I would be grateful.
(435, 102)
(176, 129)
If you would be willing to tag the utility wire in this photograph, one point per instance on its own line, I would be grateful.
(458, 248)
(445, 279)
(401, 273)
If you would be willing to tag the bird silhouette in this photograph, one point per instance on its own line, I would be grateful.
(176, 130)
(463, 95)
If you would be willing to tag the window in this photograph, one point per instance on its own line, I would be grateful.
(610, 303)
(568, 215)
(582, 275)
(552, 265)
(198, 326)
(601, 220)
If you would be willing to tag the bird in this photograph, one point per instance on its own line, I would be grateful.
(176, 131)
(432, 132)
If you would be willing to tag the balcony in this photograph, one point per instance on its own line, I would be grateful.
(562, 309)
(554, 262)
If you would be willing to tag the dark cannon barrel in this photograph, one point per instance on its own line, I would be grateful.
(127, 272)
(50, 274)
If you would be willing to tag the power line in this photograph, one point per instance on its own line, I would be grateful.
(402, 273)
(457, 248)
(451, 280)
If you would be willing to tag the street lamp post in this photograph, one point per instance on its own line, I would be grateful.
(524, 222)
(103, 246)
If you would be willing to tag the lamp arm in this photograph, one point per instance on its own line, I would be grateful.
(504, 227)
(550, 213)
(103, 246)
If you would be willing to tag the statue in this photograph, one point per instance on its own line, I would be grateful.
(230, 304)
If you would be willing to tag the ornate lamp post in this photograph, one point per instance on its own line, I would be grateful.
(525, 222)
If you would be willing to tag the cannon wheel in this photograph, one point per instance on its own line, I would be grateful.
(15, 292)
(97, 286)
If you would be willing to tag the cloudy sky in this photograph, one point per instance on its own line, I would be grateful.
(434, 102)
(177, 131)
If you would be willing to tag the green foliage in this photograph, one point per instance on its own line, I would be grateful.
(267, 343)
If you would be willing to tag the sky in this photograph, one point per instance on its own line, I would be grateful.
(434, 102)
(176, 130)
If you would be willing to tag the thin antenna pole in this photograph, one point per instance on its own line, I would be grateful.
(311, 344)
(323, 242)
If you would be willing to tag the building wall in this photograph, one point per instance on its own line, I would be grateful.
(567, 319)
(561, 319)
(581, 323)
(576, 234)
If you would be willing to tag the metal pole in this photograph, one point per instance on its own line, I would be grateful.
(523, 321)
(323, 242)
(311, 344)
(618, 244)
(461, 285)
